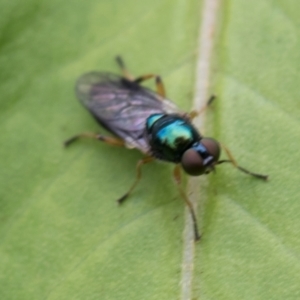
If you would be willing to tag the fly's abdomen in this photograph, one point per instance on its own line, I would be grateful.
(169, 136)
(121, 106)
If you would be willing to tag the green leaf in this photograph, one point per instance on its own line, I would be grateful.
(251, 245)
(62, 236)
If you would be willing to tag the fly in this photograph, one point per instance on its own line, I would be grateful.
(146, 120)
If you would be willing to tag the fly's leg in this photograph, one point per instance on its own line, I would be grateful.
(107, 139)
(234, 163)
(123, 68)
(160, 89)
(177, 177)
(195, 113)
(159, 84)
(139, 165)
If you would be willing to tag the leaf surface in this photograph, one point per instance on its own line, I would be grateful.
(251, 245)
(63, 236)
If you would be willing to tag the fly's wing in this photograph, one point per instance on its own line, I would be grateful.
(121, 106)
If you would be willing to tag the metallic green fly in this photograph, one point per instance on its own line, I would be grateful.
(143, 119)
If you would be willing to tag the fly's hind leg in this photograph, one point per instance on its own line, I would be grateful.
(106, 139)
(139, 165)
(123, 68)
(160, 89)
(115, 142)
(159, 84)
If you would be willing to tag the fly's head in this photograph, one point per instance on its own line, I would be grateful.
(201, 157)
(173, 138)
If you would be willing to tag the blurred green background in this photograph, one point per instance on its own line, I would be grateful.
(62, 236)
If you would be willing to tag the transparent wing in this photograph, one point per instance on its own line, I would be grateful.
(121, 106)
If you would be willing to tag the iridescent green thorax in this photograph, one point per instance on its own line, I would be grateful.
(170, 136)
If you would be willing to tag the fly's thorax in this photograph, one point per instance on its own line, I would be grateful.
(170, 135)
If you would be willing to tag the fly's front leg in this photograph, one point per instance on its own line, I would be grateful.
(177, 177)
(106, 139)
(139, 165)
(234, 163)
(194, 113)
